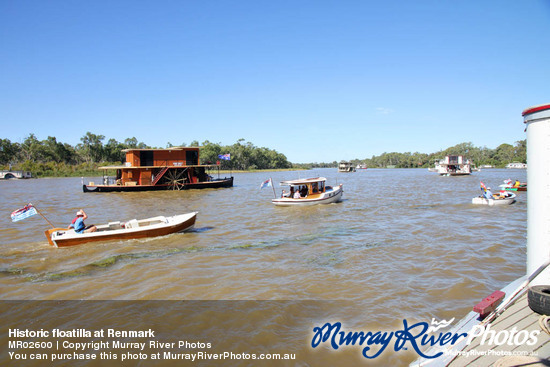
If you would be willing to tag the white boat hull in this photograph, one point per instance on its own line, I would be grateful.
(454, 173)
(328, 197)
(510, 199)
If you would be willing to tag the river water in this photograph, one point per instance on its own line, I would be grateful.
(403, 244)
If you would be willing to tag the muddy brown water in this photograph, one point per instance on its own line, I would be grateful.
(403, 244)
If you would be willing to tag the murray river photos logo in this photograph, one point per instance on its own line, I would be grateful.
(418, 337)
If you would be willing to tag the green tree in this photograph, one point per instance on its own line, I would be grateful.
(131, 143)
(57, 152)
(113, 151)
(209, 152)
(505, 153)
(31, 149)
(8, 151)
(92, 147)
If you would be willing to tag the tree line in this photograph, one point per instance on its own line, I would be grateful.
(50, 157)
(498, 158)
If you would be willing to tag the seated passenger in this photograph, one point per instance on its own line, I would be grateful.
(78, 223)
(297, 195)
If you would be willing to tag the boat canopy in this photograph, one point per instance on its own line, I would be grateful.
(303, 181)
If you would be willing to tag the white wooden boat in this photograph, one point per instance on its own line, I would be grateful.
(509, 198)
(150, 227)
(312, 191)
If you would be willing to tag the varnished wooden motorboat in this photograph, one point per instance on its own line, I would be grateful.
(150, 227)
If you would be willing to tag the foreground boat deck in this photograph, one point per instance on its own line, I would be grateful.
(518, 316)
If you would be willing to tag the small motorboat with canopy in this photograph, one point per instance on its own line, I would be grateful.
(309, 191)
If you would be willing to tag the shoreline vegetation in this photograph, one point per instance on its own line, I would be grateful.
(50, 158)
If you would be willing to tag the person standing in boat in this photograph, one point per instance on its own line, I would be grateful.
(78, 223)
(488, 193)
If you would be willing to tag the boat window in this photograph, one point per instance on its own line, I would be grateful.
(191, 157)
(453, 159)
(314, 188)
(146, 158)
(322, 186)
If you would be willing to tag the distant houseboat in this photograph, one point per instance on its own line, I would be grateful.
(453, 165)
(5, 174)
(346, 167)
(174, 168)
(516, 165)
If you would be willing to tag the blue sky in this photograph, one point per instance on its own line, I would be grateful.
(315, 80)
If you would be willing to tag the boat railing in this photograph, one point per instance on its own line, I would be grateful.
(109, 180)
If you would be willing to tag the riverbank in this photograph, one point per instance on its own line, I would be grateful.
(99, 173)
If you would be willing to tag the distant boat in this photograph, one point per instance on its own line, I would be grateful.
(150, 227)
(361, 166)
(9, 174)
(309, 191)
(514, 186)
(453, 165)
(345, 167)
(516, 165)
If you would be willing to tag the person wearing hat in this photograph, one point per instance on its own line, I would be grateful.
(78, 223)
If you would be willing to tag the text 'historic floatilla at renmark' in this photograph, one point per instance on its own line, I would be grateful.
(81, 333)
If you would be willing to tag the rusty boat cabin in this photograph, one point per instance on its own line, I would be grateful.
(174, 168)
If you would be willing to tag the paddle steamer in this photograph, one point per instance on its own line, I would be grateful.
(174, 168)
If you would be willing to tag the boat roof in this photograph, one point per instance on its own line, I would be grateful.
(303, 181)
(141, 167)
(158, 149)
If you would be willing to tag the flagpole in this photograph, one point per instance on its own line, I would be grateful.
(273, 187)
(46, 219)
